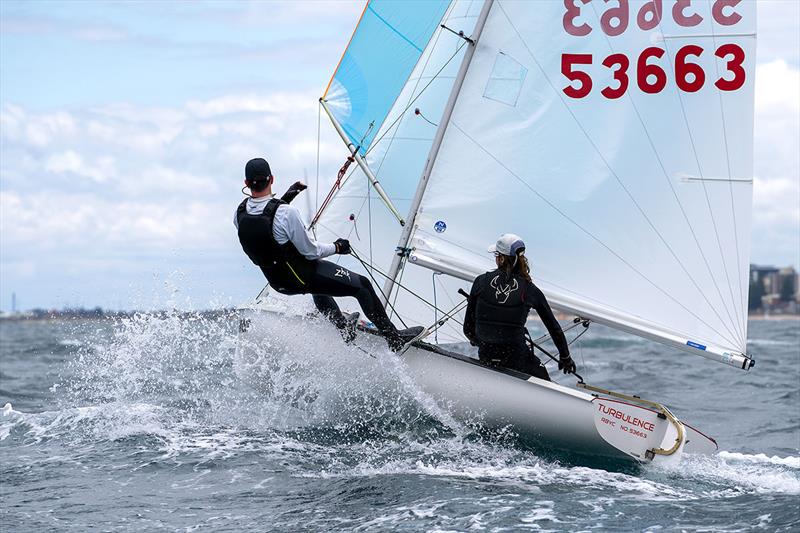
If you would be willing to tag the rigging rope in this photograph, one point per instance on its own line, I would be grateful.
(435, 303)
(575, 323)
(580, 350)
(548, 354)
(435, 326)
(423, 117)
(336, 186)
(578, 321)
(352, 219)
(369, 267)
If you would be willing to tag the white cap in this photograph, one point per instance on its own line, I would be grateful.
(507, 244)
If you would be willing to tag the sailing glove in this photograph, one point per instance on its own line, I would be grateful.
(293, 191)
(297, 186)
(567, 365)
(342, 246)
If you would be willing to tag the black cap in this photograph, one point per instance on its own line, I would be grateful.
(257, 171)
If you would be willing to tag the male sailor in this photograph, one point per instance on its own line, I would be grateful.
(497, 310)
(274, 237)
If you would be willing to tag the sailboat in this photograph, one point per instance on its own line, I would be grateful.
(616, 137)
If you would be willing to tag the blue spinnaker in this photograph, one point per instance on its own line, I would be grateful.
(383, 50)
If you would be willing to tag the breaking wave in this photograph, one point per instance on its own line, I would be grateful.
(155, 434)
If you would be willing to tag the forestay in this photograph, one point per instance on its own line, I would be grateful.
(386, 45)
(617, 138)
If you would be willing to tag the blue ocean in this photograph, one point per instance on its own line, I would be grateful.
(146, 423)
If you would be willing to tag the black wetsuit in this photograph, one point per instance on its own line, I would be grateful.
(497, 310)
(288, 272)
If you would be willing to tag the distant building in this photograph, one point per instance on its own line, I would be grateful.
(774, 290)
(787, 284)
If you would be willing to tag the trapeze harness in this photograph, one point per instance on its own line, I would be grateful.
(285, 268)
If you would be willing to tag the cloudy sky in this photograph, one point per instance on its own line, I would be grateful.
(124, 128)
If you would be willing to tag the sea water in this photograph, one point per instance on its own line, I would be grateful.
(151, 423)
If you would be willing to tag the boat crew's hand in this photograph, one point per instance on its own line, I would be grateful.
(342, 246)
(297, 187)
(567, 365)
(293, 191)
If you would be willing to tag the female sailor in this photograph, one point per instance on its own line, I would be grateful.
(498, 307)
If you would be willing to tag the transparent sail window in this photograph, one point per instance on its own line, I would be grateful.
(505, 81)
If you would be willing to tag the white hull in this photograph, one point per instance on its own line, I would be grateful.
(551, 416)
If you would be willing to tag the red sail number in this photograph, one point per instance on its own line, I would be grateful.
(684, 69)
(572, 13)
(618, 14)
(645, 70)
(651, 77)
(649, 16)
(568, 61)
(721, 17)
(680, 16)
(614, 19)
(620, 74)
(734, 66)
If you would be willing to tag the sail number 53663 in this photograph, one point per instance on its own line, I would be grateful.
(650, 76)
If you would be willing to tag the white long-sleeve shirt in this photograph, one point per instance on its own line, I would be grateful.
(288, 226)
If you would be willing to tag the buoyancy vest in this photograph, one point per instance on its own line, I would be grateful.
(500, 311)
(284, 267)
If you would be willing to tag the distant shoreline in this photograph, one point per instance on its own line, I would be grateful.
(773, 317)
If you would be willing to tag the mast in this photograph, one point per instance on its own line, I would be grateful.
(408, 229)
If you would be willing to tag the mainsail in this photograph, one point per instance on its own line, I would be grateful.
(617, 139)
